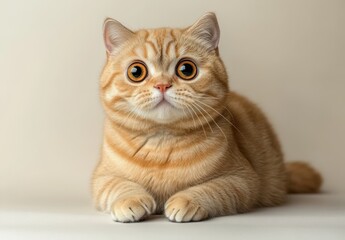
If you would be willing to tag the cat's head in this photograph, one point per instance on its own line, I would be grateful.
(168, 77)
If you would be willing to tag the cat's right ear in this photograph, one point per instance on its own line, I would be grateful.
(115, 34)
(206, 29)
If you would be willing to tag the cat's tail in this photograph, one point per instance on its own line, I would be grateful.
(302, 178)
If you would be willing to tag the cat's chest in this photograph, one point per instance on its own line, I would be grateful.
(163, 164)
(170, 160)
(163, 183)
(164, 173)
(167, 177)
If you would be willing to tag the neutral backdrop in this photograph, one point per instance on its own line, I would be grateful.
(287, 56)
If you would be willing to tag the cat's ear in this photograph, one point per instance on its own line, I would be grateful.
(206, 30)
(115, 34)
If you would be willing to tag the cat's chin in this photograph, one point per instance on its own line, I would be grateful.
(164, 112)
(163, 104)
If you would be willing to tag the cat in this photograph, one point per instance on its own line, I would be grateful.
(176, 139)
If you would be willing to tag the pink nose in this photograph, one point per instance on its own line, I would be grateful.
(163, 86)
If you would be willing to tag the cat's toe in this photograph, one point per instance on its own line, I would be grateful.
(183, 209)
(133, 209)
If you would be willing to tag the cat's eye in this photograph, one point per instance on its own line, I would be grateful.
(137, 72)
(186, 69)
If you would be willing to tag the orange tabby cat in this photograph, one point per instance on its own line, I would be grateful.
(176, 139)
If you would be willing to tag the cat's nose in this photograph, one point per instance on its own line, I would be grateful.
(163, 86)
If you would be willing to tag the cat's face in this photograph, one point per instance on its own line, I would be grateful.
(163, 76)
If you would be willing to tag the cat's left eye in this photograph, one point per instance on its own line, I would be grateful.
(137, 72)
(186, 69)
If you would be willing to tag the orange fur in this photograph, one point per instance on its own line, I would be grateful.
(207, 152)
(302, 178)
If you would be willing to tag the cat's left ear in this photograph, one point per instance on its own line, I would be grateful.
(206, 29)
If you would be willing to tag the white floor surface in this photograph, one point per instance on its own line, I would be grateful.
(320, 216)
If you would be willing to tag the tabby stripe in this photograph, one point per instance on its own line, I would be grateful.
(145, 52)
(152, 46)
(100, 193)
(167, 48)
(104, 196)
(190, 160)
(129, 140)
(110, 80)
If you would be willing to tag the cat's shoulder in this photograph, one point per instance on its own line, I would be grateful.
(235, 98)
(241, 104)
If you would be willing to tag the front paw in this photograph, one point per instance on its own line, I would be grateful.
(182, 208)
(133, 209)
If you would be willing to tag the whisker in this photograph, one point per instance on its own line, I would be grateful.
(214, 122)
(128, 116)
(149, 101)
(194, 104)
(185, 113)
(191, 115)
(136, 116)
(205, 96)
(221, 116)
(231, 115)
(188, 106)
(191, 95)
(141, 93)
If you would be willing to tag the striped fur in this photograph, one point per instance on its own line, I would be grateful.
(210, 153)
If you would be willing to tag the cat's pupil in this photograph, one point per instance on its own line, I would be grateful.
(187, 69)
(136, 71)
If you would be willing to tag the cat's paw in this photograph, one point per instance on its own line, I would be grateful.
(181, 208)
(133, 209)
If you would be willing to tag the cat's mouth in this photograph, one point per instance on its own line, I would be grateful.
(164, 103)
(164, 111)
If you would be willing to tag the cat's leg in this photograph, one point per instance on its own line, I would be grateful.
(126, 201)
(224, 195)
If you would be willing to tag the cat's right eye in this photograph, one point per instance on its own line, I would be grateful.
(137, 72)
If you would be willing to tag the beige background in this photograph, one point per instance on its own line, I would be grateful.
(288, 56)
